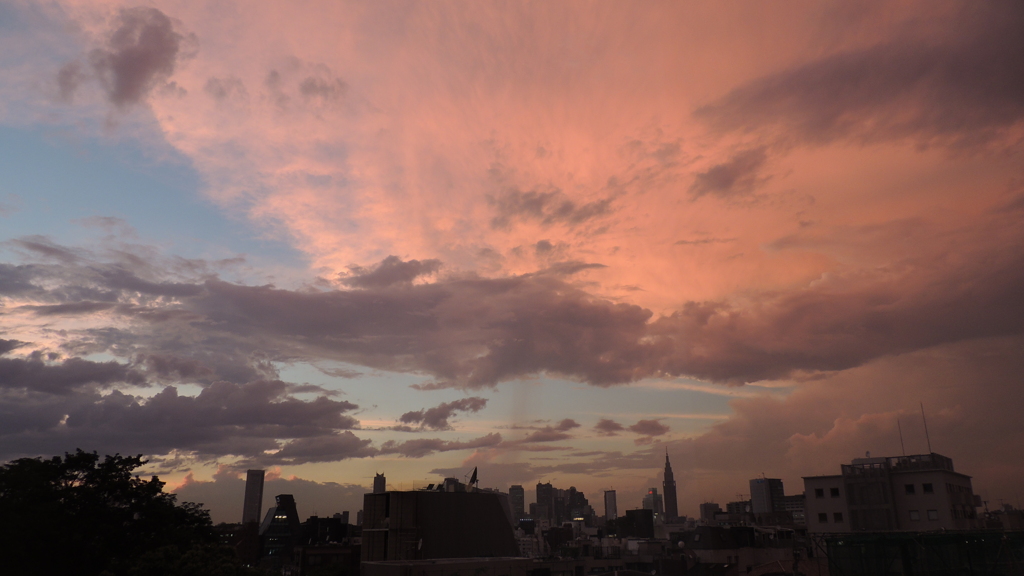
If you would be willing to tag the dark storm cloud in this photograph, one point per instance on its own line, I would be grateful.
(649, 428)
(64, 377)
(469, 332)
(223, 419)
(141, 51)
(322, 448)
(570, 267)
(608, 427)
(322, 89)
(549, 433)
(738, 176)
(552, 207)
(436, 418)
(392, 270)
(963, 83)
(421, 447)
(45, 247)
(8, 345)
(16, 280)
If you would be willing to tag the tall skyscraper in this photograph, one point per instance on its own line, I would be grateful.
(517, 498)
(380, 485)
(671, 506)
(611, 509)
(546, 499)
(766, 495)
(253, 504)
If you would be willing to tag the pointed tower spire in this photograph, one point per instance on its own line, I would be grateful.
(671, 505)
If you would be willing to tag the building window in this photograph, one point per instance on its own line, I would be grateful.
(927, 489)
(933, 514)
(915, 515)
(823, 517)
(909, 488)
(837, 517)
(819, 492)
(834, 492)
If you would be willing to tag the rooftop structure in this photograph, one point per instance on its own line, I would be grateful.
(901, 493)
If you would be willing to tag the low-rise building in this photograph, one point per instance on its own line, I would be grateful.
(907, 493)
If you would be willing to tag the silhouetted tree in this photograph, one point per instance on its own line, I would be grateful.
(83, 515)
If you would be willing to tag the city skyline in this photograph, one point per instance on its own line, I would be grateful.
(553, 242)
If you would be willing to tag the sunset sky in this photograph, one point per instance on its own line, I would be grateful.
(551, 240)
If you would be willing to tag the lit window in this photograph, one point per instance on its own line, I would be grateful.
(927, 489)
(909, 488)
(837, 517)
(915, 515)
(823, 517)
(933, 514)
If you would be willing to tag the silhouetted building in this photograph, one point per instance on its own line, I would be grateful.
(671, 506)
(708, 510)
(281, 530)
(654, 502)
(545, 501)
(741, 547)
(636, 524)
(611, 509)
(380, 484)
(343, 516)
(517, 499)
(318, 531)
(253, 504)
(766, 495)
(912, 493)
(981, 552)
(738, 508)
(435, 524)
(795, 504)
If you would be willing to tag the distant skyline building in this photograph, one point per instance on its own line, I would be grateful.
(517, 499)
(708, 510)
(545, 500)
(669, 485)
(766, 496)
(380, 484)
(654, 502)
(611, 509)
(252, 507)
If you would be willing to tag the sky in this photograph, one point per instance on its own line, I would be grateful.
(551, 241)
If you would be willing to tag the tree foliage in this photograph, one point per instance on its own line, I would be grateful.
(83, 515)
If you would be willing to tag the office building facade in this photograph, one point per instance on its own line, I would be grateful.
(766, 496)
(252, 506)
(900, 493)
(517, 499)
(611, 508)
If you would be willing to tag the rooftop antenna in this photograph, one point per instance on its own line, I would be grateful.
(900, 428)
(925, 420)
